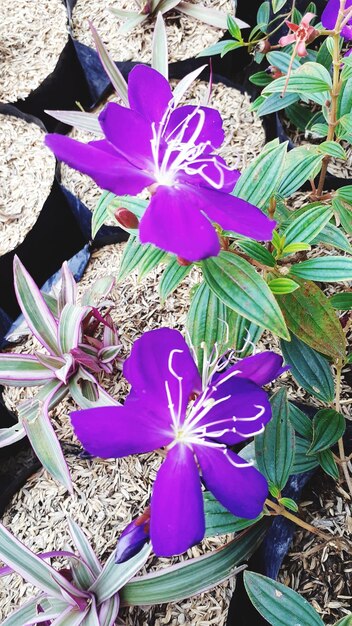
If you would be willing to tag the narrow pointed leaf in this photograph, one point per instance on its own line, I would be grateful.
(333, 237)
(10, 435)
(301, 164)
(23, 370)
(236, 283)
(282, 285)
(300, 422)
(28, 613)
(184, 84)
(70, 326)
(279, 604)
(328, 463)
(68, 290)
(70, 617)
(213, 17)
(109, 611)
(36, 312)
(172, 276)
(159, 48)
(115, 575)
(133, 254)
(260, 179)
(78, 119)
(98, 291)
(117, 80)
(84, 548)
(195, 576)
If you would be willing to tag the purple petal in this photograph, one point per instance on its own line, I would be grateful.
(113, 432)
(129, 133)
(153, 358)
(330, 13)
(242, 409)
(235, 214)
(210, 166)
(211, 130)
(133, 537)
(144, 82)
(173, 222)
(260, 368)
(177, 519)
(239, 488)
(347, 32)
(110, 171)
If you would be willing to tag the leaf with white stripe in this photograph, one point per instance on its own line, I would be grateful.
(36, 312)
(159, 48)
(23, 370)
(114, 74)
(10, 435)
(100, 397)
(78, 119)
(70, 326)
(84, 548)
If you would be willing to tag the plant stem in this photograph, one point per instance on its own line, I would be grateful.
(336, 84)
(342, 454)
(280, 510)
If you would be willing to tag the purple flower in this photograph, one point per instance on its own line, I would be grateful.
(171, 151)
(167, 407)
(329, 17)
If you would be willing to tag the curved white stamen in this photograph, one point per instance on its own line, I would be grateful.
(176, 418)
(252, 434)
(244, 464)
(226, 378)
(195, 417)
(255, 417)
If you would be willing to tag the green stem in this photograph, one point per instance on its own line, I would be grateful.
(342, 454)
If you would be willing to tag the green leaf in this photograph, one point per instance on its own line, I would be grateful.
(321, 130)
(244, 334)
(151, 259)
(257, 251)
(277, 5)
(282, 285)
(324, 56)
(342, 301)
(301, 164)
(159, 47)
(206, 324)
(134, 253)
(328, 428)
(292, 248)
(306, 227)
(328, 464)
(37, 314)
(308, 78)
(346, 123)
(70, 326)
(23, 370)
(311, 370)
(172, 276)
(193, 576)
(282, 60)
(233, 28)
(274, 448)
(311, 317)
(333, 236)
(345, 621)
(108, 203)
(303, 462)
(333, 149)
(258, 181)
(221, 47)
(219, 521)
(328, 269)
(288, 503)
(114, 74)
(278, 604)
(236, 283)
(344, 214)
(263, 15)
(101, 213)
(84, 548)
(300, 422)
(260, 78)
(299, 115)
(274, 102)
(345, 193)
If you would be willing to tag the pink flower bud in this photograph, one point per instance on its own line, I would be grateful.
(126, 218)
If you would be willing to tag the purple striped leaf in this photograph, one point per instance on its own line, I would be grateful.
(10, 435)
(34, 308)
(68, 289)
(116, 78)
(102, 397)
(97, 291)
(109, 611)
(78, 119)
(84, 548)
(70, 326)
(23, 370)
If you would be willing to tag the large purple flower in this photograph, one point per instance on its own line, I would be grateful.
(167, 407)
(171, 151)
(329, 17)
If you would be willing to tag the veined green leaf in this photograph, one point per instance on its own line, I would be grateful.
(328, 427)
(334, 149)
(303, 462)
(328, 463)
(301, 164)
(329, 269)
(311, 370)
(292, 248)
(195, 576)
(274, 102)
(134, 252)
(311, 317)
(206, 324)
(70, 326)
(219, 521)
(300, 421)
(257, 251)
(343, 210)
(172, 276)
(117, 80)
(282, 285)
(277, 5)
(236, 283)
(37, 314)
(333, 236)
(307, 226)
(308, 78)
(259, 181)
(151, 259)
(274, 448)
(244, 334)
(279, 604)
(282, 60)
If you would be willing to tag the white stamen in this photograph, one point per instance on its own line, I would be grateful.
(244, 464)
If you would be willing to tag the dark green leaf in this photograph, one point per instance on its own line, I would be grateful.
(257, 251)
(300, 422)
(312, 318)
(274, 448)
(244, 334)
(303, 462)
(260, 78)
(258, 181)
(134, 253)
(344, 213)
(311, 370)
(282, 60)
(279, 604)
(274, 102)
(282, 285)
(219, 521)
(328, 464)
(345, 621)
(342, 301)
(299, 115)
(308, 78)
(277, 5)
(301, 164)
(324, 57)
(263, 15)
(328, 427)
(288, 503)
(236, 283)
(333, 236)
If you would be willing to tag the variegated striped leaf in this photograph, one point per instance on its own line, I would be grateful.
(70, 326)
(23, 370)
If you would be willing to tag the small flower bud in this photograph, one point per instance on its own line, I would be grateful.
(263, 46)
(183, 262)
(274, 71)
(133, 537)
(126, 218)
